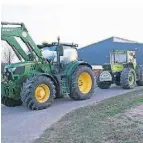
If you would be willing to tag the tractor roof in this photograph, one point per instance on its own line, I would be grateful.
(122, 51)
(56, 44)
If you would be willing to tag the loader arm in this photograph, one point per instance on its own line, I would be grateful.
(9, 34)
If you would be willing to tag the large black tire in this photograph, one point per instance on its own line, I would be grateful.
(88, 84)
(58, 95)
(140, 81)
(103, 85)
(9, 102)
(128, 78)
(28, 92)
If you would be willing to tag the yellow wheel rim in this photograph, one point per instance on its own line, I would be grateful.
(84, 83)
(42, 93)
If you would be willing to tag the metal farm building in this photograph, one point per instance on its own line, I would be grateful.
(97, 53)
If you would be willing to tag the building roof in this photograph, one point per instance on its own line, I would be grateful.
(122, 40)
(114, 39)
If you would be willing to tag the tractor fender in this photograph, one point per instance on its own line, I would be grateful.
(75, 65)
(53, 78)
(129, 65)
(86, 64)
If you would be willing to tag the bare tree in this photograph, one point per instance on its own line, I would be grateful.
(7, 54)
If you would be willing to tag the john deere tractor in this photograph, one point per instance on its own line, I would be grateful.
(44, 72)
(122, 71)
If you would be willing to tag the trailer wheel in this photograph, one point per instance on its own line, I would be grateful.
(82, 84)
(140, 81)
(128, 78)
(38, 92)
(9, 102)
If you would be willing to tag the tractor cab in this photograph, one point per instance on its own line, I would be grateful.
(122, 58)
(59, 55)
(68, 52)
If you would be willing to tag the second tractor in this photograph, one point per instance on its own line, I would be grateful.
(122, 70)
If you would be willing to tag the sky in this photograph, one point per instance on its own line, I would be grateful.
(81, 23)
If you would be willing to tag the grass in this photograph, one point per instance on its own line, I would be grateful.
(110, 121)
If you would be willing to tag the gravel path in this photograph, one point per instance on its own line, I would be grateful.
(21, 125)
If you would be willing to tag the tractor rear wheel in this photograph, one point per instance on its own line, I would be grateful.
(128, 78)
(10, 102)
(140, 74)
(82, 84)
(38, 92)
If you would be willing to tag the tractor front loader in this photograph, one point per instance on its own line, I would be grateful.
(44, 72)
(122, 70)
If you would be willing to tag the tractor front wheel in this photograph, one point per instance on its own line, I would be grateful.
(38, 92)
(103, 84)
(82, 84)
(128, 78)
(9, 102)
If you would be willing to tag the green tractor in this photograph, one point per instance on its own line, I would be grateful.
(44, 72)
(122, 71)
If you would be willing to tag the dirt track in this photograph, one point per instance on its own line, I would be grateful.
(20, 125)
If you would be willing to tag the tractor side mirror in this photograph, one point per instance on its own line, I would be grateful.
(60, 50)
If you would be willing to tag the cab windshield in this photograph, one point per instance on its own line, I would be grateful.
(70, 54)
(118, 58)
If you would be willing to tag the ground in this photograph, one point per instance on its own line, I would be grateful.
(21, 125)
(115, 120)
